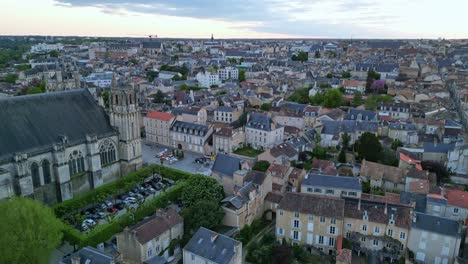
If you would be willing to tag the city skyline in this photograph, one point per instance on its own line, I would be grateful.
(241, 19)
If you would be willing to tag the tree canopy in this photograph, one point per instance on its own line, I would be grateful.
(206, 213)
(373, 101)
(357, 99)
(333, 98)
(265, 106)
(200, 188)
(346, 75)
(242, 75)
(30, 231)
(302, 56)
(261, 165)
(368, 147)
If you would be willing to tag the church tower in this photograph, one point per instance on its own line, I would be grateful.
(124, 116)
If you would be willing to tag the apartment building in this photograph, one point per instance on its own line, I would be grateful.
(311, 220)
(157, 127)
(226, 114)
(190, 136)
(261, 132)
(330, 185)
(227, 139)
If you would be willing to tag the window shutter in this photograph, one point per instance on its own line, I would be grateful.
(299, 236)
(310, 238)
(310, 227)
(292, 234)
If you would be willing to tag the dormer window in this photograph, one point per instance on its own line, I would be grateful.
(392, 219)
(365, 216)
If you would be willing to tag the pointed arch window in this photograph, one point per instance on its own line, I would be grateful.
(76, 162)
(107, 152)
(46, 171)
(36, 178)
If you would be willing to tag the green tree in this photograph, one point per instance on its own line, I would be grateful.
(206, 213)
(346, 75)
(438, 168)
(342, 156)
(105, 98)
(368, 147)
(150, 75)
(261, 165)
(357, 99)
(302, 56)
(317, 54)
(329, 75)
(333, 98)
(300, 95)
(175, 58)
(317, 99)
(242, 75)
(201, 187)
(345, 139)
(265, 107)
(30, 231)
(159, 97)
(396, 144)
(54, 53)
(10, 78)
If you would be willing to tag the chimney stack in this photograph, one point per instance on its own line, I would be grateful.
(75, 259)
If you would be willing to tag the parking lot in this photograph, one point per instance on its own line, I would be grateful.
(187, 164)
(119, 205)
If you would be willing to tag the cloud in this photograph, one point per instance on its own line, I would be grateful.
(333, 18)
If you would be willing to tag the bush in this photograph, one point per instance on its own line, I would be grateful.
(261, 165)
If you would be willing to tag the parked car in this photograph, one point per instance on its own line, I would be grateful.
(199, 161)
(159, 186)
(131, 194)
(119, 206)
(139, 196)
(151, 189)
(108, 203)
(87, 223)
(112, 210)
(130, 200)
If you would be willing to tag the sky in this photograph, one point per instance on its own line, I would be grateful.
(237, 18)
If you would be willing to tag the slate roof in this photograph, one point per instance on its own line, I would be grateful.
(152, 45)
(402, 126)
(259, 121)
(436, 224)
(418, 199)
(36, 122)
(180, 125)
(220, 250)
(285, 149)
(90, 254)
(313, 204)
(331, 181)
(438, 147)
(224, 109)
(365, 114)
(331, 127)
(226, 165)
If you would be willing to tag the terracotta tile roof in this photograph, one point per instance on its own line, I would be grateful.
(274, 197)
(224, 132)
(313, 204)
(156, 225)
(419, 186)
(276, 187)
(278, 170)
(377, 171)
(457, 198)
(295, 173)
(160, 115)
(376, 212)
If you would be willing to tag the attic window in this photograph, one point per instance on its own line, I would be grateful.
(200, 240)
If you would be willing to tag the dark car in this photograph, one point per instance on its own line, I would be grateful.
(112, 210)
(119, 206)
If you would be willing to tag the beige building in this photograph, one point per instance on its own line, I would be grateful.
(247, 203)
(228, 139)
(207, 246)
(150, 237)
(157, 127)
(386, 177)
(377, 227)
(311, 220)
(191, 136)
(226, 114)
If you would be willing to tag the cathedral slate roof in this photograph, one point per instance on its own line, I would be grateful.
(36, 122)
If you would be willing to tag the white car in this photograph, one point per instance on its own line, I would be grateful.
(87, 223)
(129, 200)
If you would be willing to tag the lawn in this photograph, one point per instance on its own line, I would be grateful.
(248, 151)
